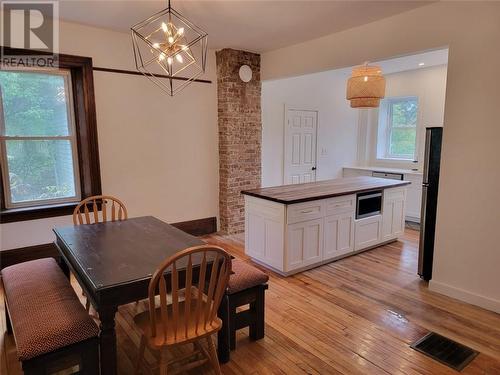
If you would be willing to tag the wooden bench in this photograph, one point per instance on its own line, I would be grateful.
(247, 285)
(51, 328)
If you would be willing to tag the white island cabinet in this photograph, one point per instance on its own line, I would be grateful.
(295, 227)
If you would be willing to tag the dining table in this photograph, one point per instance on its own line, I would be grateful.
(113, 262)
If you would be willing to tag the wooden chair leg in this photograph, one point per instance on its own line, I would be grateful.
(213, 355)
(163, 361)
(256, 328)
(140, 356)
(223, 350)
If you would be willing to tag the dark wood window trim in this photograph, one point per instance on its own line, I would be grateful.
(86, 128)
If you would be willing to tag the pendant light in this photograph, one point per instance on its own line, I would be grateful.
(366, 86)
(169, 49)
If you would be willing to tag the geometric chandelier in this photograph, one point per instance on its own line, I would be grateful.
(169, 49)
(366, 86)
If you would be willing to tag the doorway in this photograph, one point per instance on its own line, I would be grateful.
(301, 132)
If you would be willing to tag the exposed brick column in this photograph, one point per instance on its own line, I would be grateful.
(240, 130)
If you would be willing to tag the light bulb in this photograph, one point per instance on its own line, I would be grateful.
(156, 45)
(164, 26)
(170, 39)
(180, 31)
(366, 79)
(179, 58)
(169, 60)
(161, 57)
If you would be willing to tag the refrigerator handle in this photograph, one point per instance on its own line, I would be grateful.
(427, 155)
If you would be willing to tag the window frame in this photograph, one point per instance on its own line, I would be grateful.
(389, 127)
(87, 153)
(71, 137)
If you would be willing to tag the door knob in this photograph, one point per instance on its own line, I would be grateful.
(313, 168)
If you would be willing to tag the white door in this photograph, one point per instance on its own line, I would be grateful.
(301, 128)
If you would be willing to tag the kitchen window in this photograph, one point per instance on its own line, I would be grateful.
(397, 133)
(38, 138)
(48, 139)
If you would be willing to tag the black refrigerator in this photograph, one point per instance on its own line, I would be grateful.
(432, 154)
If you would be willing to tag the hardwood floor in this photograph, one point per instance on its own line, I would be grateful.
(355, 316)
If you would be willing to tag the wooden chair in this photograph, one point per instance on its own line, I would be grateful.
(191, 317)
(102, 203)
(82, 214)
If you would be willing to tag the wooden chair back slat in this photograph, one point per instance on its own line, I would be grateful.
(163, 304)
(188, 294)
(82, 214)
(96, 211)
(219, 292)
(87, 214)
(113, 215)
(201, 288)
(211, 289)
(175, 298)
(104, 210)
(178, 319)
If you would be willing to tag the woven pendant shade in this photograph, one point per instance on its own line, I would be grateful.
(366, 87)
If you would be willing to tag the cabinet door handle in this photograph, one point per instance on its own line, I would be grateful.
(306, 211)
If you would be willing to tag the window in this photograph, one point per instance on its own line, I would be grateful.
(38, 140)
(48, 139)
(397, 136)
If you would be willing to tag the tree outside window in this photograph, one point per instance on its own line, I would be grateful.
(38, 140)
(401, 128)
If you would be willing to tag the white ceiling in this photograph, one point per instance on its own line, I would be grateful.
(252, 25)
(412, 62)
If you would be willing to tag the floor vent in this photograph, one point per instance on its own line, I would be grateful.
(444, 350)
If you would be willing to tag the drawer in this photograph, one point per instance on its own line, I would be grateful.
(340, 205)
(397, 194)
(305, 211)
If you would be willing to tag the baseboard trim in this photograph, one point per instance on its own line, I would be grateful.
(465, 296)
(198, 227)
(24, 254)
(10, 257)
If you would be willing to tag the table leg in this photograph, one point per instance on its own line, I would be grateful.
(107, 340)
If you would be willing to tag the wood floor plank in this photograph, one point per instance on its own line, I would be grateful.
(354, 316)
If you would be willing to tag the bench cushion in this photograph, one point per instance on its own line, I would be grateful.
(244, 276)
(45, 312)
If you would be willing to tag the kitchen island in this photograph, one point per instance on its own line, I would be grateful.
(292, 228)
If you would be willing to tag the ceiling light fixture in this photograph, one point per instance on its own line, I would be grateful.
(366, 86)
(166, 45)
(421, 64)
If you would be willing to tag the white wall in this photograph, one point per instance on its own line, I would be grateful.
(158, 154)
(429, 85)
(337, 122)
(467, 254)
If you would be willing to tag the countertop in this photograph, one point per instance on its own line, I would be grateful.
(386, 170)
(289, 194)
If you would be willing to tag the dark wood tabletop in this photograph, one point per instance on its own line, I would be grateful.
(113, 262)
(120, 252)
(297, 193)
